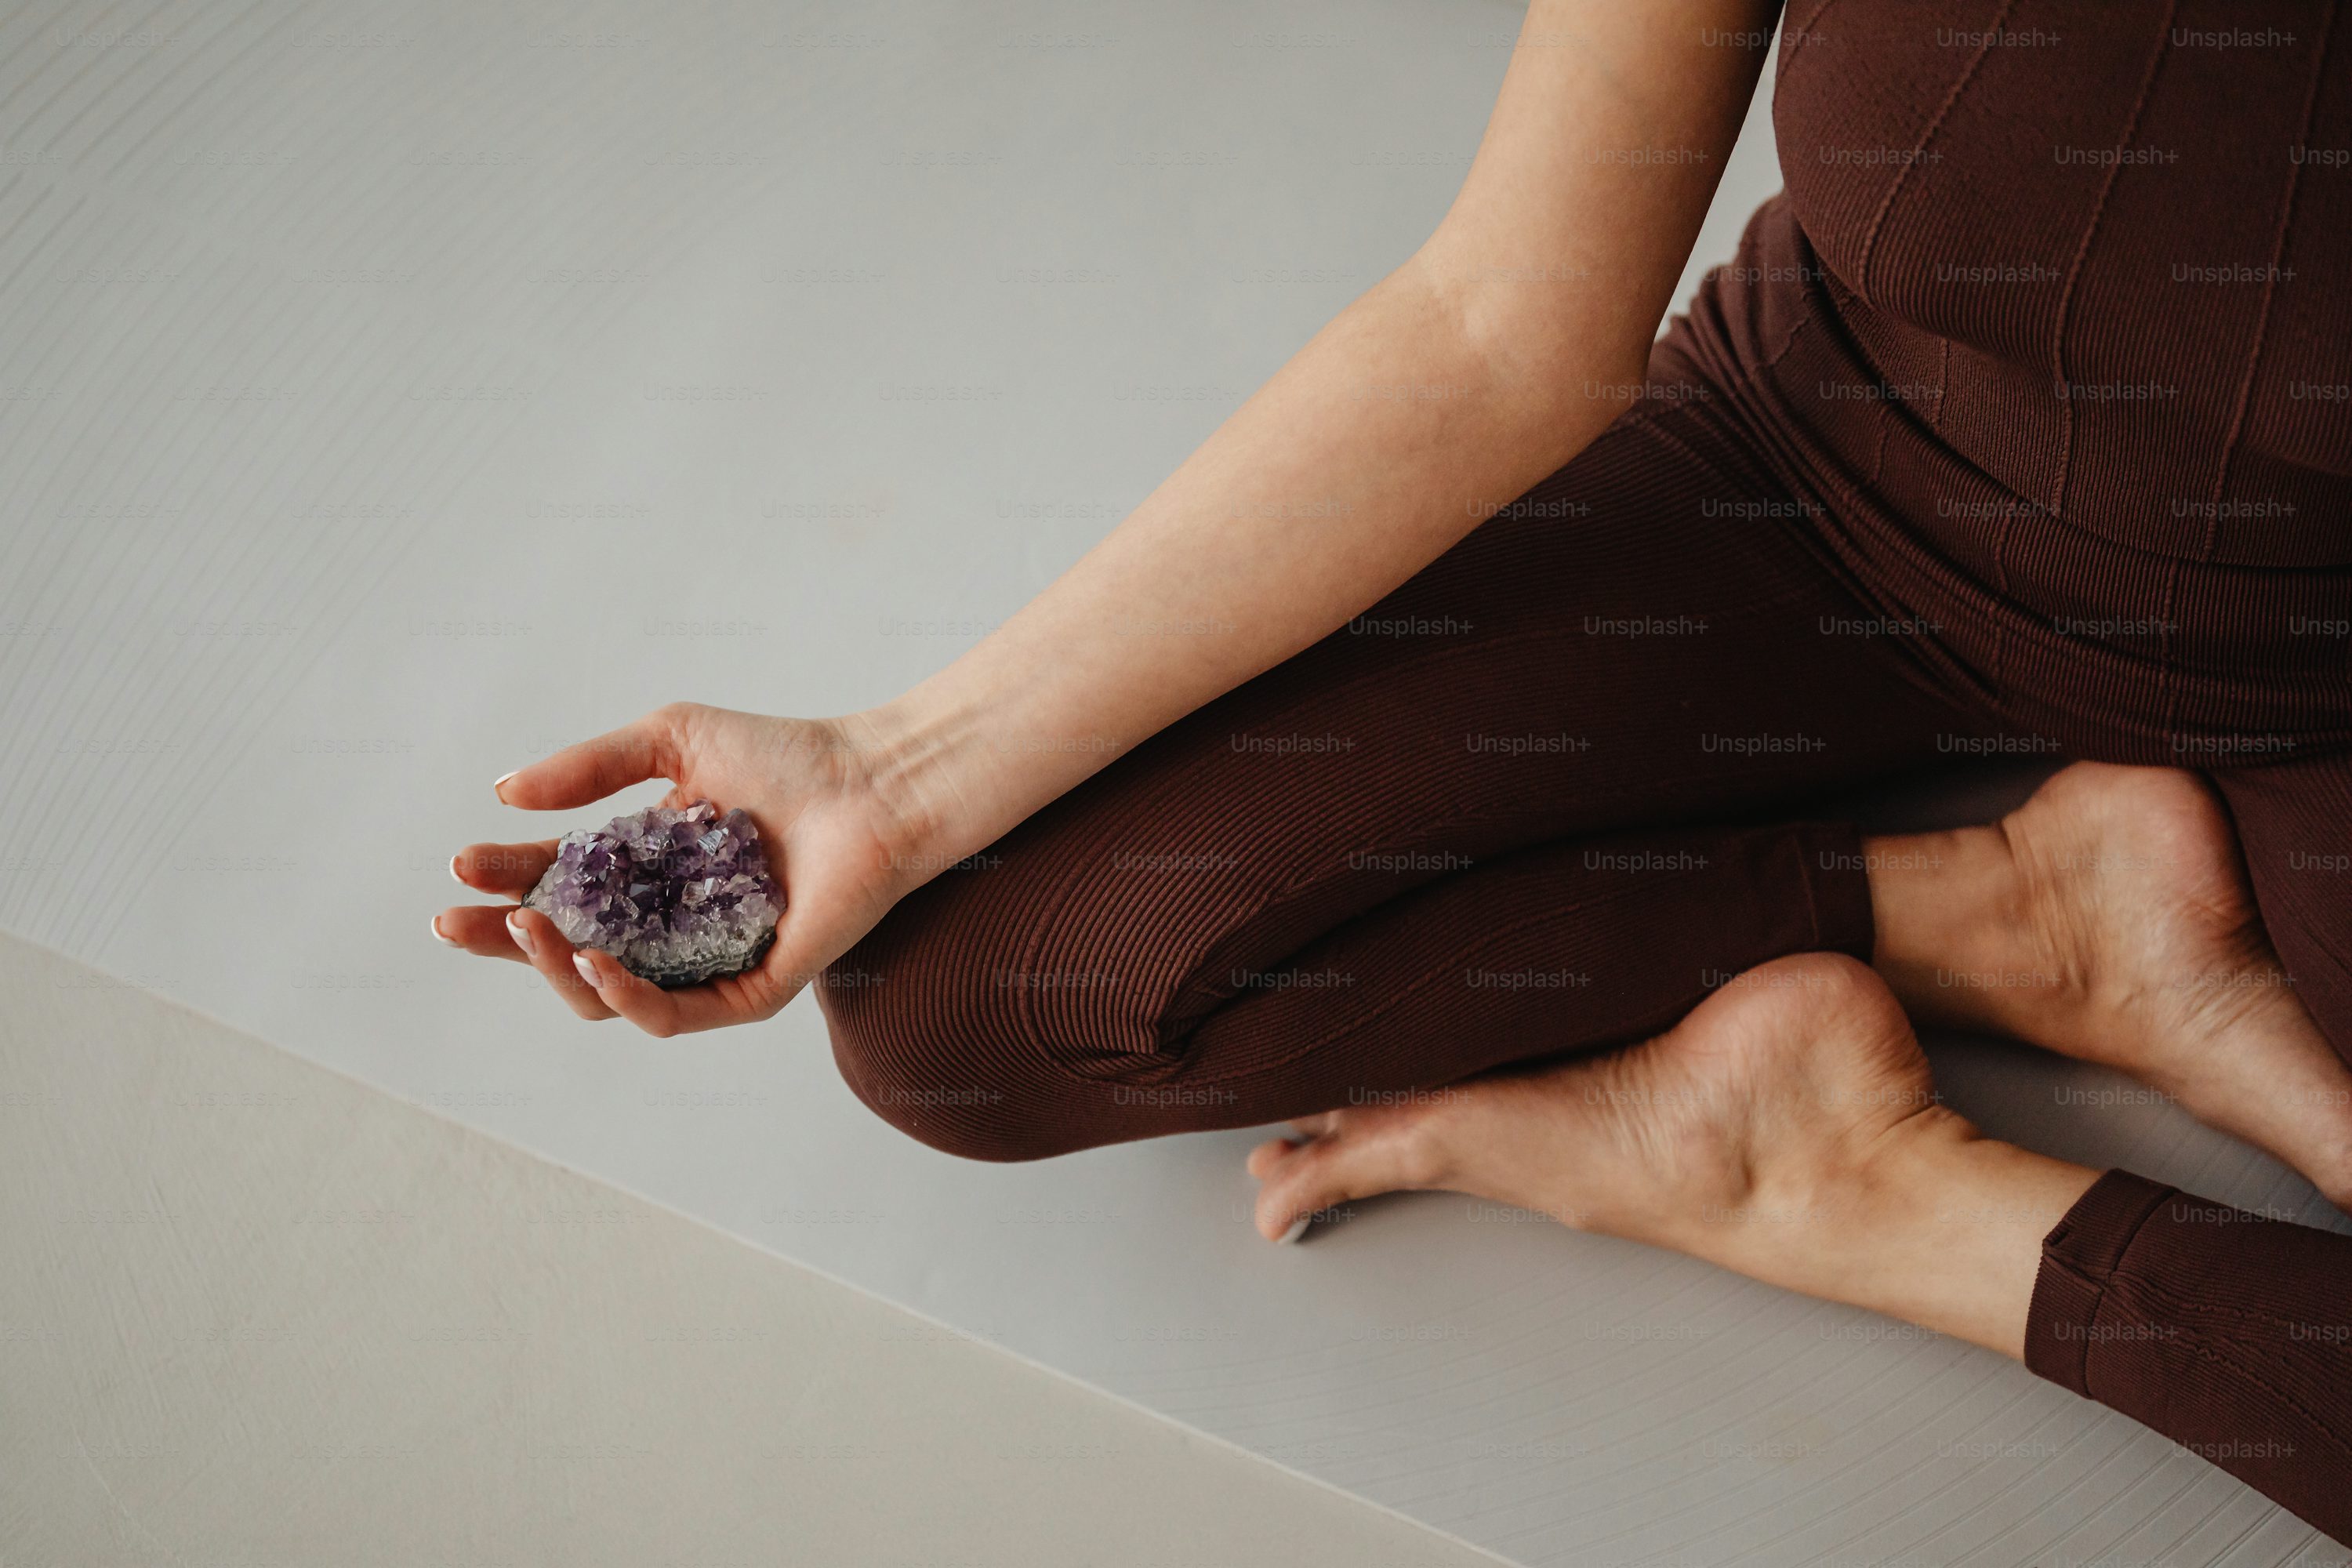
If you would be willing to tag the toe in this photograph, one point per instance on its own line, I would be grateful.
(1313, 1177)
(1268, 1154)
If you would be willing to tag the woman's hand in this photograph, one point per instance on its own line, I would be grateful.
(1533, 306)
(842, 834)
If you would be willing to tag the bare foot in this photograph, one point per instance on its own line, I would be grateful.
(1787, 1129)
(2110, 918)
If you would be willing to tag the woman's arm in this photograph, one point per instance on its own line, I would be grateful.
(1508, 341)
(1515, 335)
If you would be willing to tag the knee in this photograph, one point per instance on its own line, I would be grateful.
(947, 1074)
(998, 1014)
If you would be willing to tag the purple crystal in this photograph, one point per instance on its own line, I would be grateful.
(678, 897)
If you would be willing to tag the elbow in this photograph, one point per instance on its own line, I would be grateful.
(1548, 344)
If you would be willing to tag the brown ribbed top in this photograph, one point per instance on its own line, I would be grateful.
(2106, 246)
(2052, 330)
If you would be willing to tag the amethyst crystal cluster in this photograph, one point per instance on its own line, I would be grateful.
(678, 897)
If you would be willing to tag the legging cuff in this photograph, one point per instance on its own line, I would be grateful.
(2078, 1257)
(1835, 881)
(2220, 1330)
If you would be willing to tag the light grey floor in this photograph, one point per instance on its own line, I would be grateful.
(260, 1314)
(393, 397)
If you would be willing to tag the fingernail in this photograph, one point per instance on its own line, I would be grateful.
(453, 872)
(587, 970)
(522, 937)
(444, 940)
(498, 788)
(1299, 1227)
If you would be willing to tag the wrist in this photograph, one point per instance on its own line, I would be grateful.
(965, 756)
(908, 763)
(939, 766)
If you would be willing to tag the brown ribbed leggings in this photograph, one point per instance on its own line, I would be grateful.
(1545, 797)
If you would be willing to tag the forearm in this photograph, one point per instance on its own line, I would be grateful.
(1384, 441)
(1508, 341)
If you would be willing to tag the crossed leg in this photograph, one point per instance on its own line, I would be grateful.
(1538, 800)
(1788, 1129)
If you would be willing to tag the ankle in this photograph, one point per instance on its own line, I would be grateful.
(1962, 940)
(1810, 1212)
(1952, 1240)
(1933, 1223)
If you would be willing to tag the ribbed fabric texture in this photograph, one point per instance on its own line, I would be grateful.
(2022, 424)
(1893, 495)
(2226, 1331)
(2067, 353)
(1527, 805)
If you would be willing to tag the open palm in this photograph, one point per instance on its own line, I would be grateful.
(833, 836)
